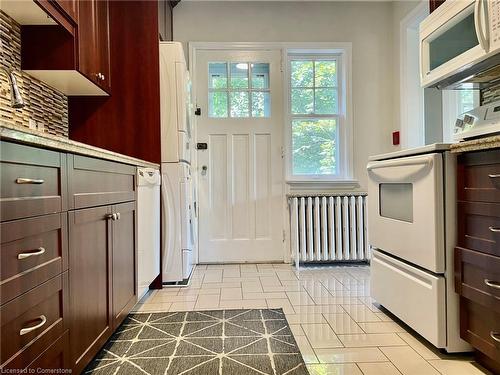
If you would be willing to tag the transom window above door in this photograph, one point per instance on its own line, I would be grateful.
(238, 90)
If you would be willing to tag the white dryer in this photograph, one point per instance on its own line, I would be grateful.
(177, 221)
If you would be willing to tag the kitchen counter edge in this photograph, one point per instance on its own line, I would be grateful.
(478, 144)
(34, 138)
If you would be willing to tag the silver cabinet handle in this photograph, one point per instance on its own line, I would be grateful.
(118, 216)
(39, 251)
(33, 181)
(42, 319)
(495, 230)
(495, 336)
(494, 175)
(493, 284)
(110, 216)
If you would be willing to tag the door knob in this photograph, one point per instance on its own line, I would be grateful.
(204, 170)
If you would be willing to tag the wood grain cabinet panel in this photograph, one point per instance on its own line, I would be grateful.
(33, 321)
(33, 251)
(94, 182)
(479, 176)
(70, 8)
(480, 326)
(55, 357)
(90, 259)
(124, 260)
(479, 226)
(33, 181)
(478, 278)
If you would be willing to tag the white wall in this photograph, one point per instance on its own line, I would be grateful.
(370, 26)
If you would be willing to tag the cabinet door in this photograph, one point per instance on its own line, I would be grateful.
(102, 27)
(70, 7)
(93, 41)
(90, 282)
(124, 260)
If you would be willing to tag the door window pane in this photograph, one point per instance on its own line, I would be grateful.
(261, 106)
(217, 104)
(260, 76)
(325, 73)
(314, 148)
(396, 201)
(239, 75)
(325, 101)
(302, 74)
(239, 102)
(217, 75)
(302, 101)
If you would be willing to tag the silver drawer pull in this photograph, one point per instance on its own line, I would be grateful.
(39, 251)
(42, 319)
(495, 336)
(495, 230)
(110, 216)
(493, 284)
(494, 175)
(32, 181)
(118, 216)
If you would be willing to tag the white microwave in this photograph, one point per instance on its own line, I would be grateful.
(457, 37)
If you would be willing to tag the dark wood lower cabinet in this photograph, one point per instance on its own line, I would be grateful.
(477, 256)
(103, 275)
(68, 257)
(124, 261)
(90, 258)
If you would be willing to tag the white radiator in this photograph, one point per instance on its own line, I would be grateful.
(328, 228)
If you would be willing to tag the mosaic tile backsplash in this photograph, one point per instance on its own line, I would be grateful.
(45, 105)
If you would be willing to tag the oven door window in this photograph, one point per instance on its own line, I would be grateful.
(396, 201)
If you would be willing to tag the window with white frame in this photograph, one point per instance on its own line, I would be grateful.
(316, 117)
(238, 90)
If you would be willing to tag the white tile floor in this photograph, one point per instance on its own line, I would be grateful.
(337, 325)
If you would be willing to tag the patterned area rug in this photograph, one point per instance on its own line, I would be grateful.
(225, 342)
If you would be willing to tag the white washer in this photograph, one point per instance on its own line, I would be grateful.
(176, 222)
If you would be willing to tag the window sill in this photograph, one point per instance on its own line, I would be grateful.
(310, 185)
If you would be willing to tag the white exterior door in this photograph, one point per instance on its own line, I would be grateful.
(240, 173)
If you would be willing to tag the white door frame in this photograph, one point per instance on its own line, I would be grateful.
(409, 21)
(284, 47)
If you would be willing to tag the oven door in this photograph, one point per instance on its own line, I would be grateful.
(454, 37)
(405, 209)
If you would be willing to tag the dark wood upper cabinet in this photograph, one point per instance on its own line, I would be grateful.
(70, 8)
(73, 55)
(93, 42)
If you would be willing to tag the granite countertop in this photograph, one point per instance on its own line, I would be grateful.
(485, 143)
(30, 137)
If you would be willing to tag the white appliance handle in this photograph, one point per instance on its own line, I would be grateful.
(424, 162)
(483, 41)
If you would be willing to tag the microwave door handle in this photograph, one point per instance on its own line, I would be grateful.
(478, 24)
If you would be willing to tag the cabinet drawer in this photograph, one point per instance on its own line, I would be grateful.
(479, 226)
(33, 251)
(31, 322)
(479, 176)
(33, 181)
(480, 326)
(95, 182)
(478, 277)
(55, 357)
